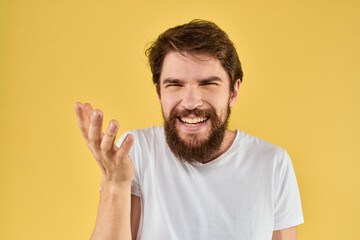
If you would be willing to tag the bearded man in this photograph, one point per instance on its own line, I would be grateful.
(192, 178)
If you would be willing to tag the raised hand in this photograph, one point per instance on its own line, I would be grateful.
(115, 162)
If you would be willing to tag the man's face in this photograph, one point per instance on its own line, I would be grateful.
(195, 98)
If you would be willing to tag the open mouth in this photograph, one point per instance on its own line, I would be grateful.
(193, 121)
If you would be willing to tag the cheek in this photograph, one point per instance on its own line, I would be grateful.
(167, 104)
(218, 101)
(221, 108)
(218, 96)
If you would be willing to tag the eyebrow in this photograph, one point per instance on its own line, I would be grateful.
(209, 79)
(171, 80)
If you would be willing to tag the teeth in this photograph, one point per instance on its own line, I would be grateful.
(193, 120)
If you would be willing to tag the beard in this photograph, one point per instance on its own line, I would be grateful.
(193, 148)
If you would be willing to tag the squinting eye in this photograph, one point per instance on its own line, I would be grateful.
(209, 83)
(173, 85)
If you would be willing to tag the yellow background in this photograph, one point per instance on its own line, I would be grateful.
(301, 63)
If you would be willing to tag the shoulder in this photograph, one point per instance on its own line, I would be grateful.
(266, 153)
(145, 136)
(258, 146)
(152, 133)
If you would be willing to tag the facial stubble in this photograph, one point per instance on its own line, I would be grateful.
(195, 149)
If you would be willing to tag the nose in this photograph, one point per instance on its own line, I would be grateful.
(191, 98)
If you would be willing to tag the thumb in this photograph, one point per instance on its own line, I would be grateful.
(125, 146)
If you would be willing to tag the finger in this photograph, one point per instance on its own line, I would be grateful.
(83, 120)
(125, 147)
(88, 110)
(107, 143)
(95, 129)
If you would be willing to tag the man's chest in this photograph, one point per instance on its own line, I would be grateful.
(219, 203)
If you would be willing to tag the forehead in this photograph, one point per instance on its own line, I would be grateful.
(187, 66)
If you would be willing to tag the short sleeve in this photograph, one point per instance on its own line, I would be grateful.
(135, 185)
(287, 202)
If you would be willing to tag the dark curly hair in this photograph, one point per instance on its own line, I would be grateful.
(196, 37)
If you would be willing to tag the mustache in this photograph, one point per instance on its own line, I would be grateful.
(175, 113)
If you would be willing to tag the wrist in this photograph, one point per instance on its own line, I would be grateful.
(114, 186)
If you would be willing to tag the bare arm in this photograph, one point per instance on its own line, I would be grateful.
(285, 234)
(135, 215)
(113, 219)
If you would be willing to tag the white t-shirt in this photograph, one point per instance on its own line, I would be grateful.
(246, 193)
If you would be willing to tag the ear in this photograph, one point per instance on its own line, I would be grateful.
(235, 93)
